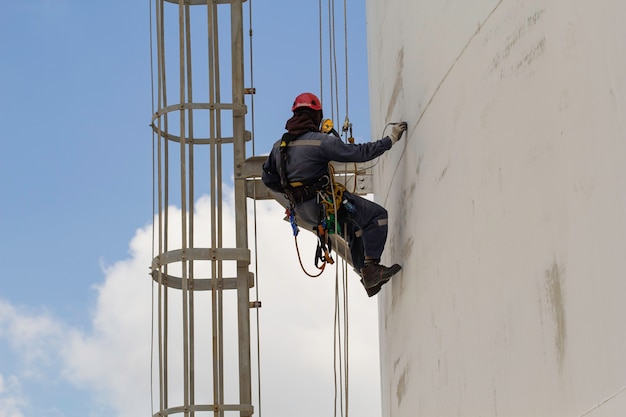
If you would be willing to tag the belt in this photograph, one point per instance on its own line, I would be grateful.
(301, 191)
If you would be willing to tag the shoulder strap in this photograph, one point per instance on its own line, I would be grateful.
(284, 142)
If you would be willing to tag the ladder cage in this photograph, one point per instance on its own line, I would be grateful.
(201, 258)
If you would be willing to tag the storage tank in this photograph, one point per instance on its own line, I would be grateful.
(506, 204)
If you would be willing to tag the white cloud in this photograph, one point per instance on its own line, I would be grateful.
(112, 361)
(11, 401)
(31, 333)
(32, 339)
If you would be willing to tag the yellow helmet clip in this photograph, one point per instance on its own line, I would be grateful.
(327, 126)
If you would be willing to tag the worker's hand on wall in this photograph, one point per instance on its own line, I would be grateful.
(396, 131)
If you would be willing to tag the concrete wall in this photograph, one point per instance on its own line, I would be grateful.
(507, 205)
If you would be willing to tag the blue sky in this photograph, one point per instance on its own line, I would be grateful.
(76, 181)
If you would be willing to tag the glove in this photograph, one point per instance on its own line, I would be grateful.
(396, 132)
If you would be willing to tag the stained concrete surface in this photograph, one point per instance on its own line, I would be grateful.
(507, 202)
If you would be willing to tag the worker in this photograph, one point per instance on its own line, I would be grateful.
(301, 169)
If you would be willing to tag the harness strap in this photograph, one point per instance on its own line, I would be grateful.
(285, 140)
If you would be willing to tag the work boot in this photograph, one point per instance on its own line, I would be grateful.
(374, 274)
(375, 289)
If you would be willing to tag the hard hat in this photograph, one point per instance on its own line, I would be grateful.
(307, 100)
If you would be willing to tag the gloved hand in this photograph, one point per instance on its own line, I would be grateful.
(396, 132)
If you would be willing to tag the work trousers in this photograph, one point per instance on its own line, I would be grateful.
(365, 229)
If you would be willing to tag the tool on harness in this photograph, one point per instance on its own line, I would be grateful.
(325, 226)
(332, 199)
(347, 126)
(349, 206)
(291, 215)
(328, 127)
(324, 245)
(328, 211)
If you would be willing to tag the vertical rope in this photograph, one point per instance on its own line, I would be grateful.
(337, 367)
(345, 49)
(152, 215)
(321, 52)
(163, 207)
(331, 61)
(346, 303)
(340, 355)
(254, 210)
(340, 321)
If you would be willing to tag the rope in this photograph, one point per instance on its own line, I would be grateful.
(152, 215)
(345, 49)
(604, 401)
(295, 238)
(254, 209)
(339, 356)
(332, 61)
(161, 168)
(342, 354)
(331, 202)
(341, 362)
(321, 49)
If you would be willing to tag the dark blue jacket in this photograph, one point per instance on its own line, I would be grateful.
(308, 157)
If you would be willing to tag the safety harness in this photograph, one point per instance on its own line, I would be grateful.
(329, 196)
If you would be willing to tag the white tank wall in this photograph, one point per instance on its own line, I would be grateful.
(507, 206)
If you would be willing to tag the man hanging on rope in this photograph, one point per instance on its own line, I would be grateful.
(298, 166)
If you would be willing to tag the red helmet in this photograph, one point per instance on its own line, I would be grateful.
(307, 100)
